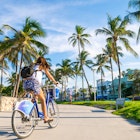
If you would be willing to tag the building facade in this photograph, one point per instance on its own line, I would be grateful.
(105, 88)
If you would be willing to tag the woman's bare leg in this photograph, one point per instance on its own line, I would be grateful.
(43, 106)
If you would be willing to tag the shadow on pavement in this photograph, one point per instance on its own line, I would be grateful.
(131, 121)
(7, 134)
(98, 110)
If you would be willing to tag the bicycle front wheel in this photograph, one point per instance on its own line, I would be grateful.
(53, 112)
(22, 125)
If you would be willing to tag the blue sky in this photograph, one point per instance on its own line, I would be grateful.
(59, 18)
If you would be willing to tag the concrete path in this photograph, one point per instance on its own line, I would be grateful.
(78, 123)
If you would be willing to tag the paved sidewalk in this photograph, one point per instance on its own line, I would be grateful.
(78, 123)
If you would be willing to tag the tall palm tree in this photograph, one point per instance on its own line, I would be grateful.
(76, 72)
(101, 64)
(1, 63)
(108, 54)
(11, 80)
(80, 39)
(65, 70)
(26, 40)
(7, 45)
(115, 32)
(14, 59)
(136, 14)
(3, 68)
(88, 63)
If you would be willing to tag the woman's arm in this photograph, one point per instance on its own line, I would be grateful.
(50, 76)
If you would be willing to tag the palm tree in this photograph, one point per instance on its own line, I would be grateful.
(108, 54)
(7, 45)
(79, 38)
(11, 80)
(3, 68)
(1, 63)
(65, 70)
(101, 64)
(76, 72)
(115, 32)
(26, 41)
(88, 63)
(136, 14)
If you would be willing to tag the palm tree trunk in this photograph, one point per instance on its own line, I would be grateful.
(18, 78)
(2, 72)
(62, 91)
(87, 83)
(83, 85)
(75, 87)
(0, 86)
(79, 48)
(15, 84)
(82, 69)
(102, 85)
(119, 69)
(112, 76)
(1, 77)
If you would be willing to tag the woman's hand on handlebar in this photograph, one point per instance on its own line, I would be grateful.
(56, 83)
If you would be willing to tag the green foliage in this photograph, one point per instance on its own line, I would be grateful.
(130, 111)
(6, 91)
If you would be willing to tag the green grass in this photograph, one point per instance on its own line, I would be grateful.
(130, 111)
(101, 104)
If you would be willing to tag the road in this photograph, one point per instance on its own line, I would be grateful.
(78, 123)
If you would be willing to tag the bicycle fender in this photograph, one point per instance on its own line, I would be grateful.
(24, 106)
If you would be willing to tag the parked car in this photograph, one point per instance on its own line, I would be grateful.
(136, 98)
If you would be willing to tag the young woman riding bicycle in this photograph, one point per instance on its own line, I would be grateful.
(34, 83)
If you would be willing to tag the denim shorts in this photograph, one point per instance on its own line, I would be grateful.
(32, 84)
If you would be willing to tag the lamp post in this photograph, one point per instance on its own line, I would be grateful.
(94, 84)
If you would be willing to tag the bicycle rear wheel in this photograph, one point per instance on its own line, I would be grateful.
(22, 125)
(53, 112)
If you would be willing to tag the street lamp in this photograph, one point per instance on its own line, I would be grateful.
(94, 84)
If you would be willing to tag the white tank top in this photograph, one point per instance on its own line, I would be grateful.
(37, 75)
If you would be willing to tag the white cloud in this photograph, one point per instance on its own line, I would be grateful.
(58, 44)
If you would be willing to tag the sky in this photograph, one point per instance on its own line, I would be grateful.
(59, 18)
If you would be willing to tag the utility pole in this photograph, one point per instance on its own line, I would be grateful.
(94, 88)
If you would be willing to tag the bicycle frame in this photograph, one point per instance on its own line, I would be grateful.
(27, 106)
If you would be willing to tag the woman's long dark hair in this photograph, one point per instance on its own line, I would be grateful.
(42, 62)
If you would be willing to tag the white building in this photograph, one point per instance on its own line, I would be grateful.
(106, 89)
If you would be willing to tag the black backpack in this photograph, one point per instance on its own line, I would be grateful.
(27, 71)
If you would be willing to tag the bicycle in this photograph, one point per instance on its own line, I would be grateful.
(26, 113)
